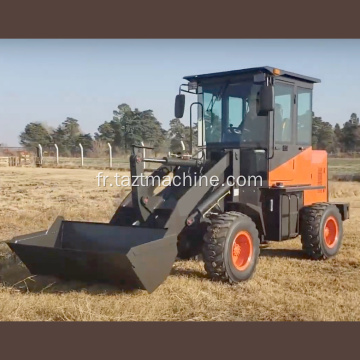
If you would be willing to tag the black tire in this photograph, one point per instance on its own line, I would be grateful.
(190, 242)
(218, 246)
(312, 230)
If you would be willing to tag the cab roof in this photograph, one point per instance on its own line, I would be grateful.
(255, 70)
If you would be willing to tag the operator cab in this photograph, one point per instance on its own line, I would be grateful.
(264, 111)
(233, 109)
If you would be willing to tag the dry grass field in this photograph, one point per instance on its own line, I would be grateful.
(286, 285)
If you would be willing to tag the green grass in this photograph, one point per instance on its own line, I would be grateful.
(342, 166)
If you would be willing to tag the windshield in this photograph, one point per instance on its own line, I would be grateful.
(230, 114)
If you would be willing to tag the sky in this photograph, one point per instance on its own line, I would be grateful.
(48, 80)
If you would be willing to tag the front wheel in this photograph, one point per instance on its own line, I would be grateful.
(231, 247)
(321, 230)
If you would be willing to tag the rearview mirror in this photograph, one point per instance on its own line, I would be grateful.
(266, 100)
(179, 106)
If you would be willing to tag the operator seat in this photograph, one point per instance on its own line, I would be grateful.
(278, 118)
(282, 125)
(304, 126)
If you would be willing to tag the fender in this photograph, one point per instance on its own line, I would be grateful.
(253, 211)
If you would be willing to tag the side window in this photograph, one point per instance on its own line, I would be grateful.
(304, 116)
(283, 112)
(212, 117)
(235, 111)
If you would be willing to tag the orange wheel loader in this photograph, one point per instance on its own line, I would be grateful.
(254, 129)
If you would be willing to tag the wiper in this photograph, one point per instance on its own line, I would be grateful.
(211, 103)
(217, 97)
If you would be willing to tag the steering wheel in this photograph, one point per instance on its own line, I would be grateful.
(234, 130)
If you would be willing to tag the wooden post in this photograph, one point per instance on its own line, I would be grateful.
(57, 154)
(110, 155)
(82, 154)
(40, 156)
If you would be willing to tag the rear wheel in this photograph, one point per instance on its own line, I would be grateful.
(321, 230)
(231, 247)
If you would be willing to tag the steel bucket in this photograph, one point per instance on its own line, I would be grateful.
(138, 257)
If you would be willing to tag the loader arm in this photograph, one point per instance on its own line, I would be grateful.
(195, 196)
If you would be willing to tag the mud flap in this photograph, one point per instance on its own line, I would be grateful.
(137, 257)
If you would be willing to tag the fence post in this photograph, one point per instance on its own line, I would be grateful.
(40, 155)
(143, 153)
(57, 154)
(82, 154)
(182, 145)
(110, 155)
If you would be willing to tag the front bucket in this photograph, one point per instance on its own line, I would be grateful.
(136, 256)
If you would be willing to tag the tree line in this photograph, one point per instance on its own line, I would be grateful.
(130, 126)
(337, 139)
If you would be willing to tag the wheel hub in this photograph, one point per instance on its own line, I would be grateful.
(331, 232)
(242, 250)
(236, 250)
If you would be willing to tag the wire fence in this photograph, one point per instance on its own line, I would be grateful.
(51, 157)
(78, 161)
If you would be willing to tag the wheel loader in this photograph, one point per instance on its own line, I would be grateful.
(252, 124)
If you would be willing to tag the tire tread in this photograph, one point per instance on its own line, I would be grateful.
(214, 244)
(310, 229)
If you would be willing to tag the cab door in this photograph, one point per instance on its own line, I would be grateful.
(291, 162)
(282, 165)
